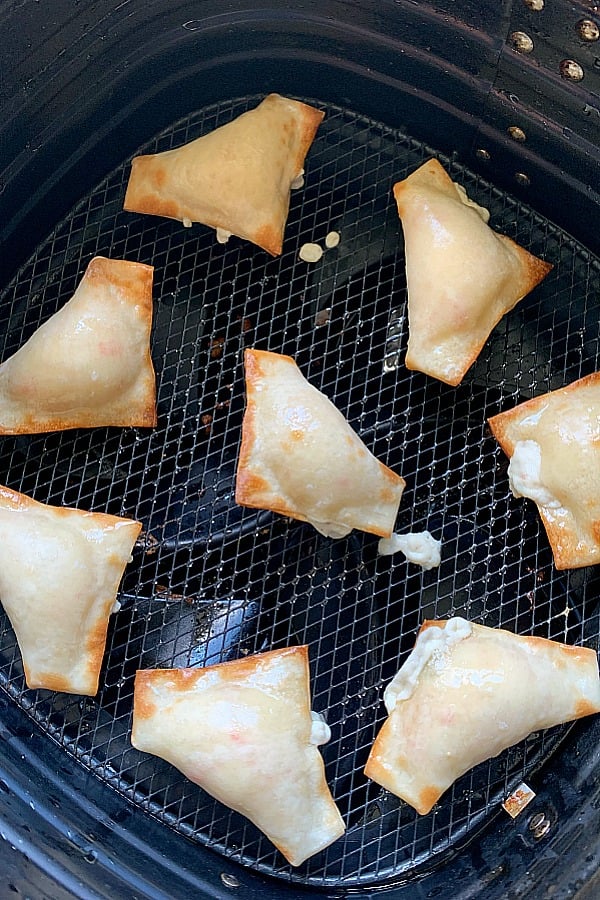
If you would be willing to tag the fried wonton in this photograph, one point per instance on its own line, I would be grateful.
(300, 457)
(89, 364)
(462, 277)
(236, 178)
(244, 732)
(553, 442)
(60, 571)
(467, 692)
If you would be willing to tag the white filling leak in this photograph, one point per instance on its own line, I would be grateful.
(525, 474)
(187, 223)
(419, 547)
(320, 732)
(223, 235)
(115, 607)
(434, 641)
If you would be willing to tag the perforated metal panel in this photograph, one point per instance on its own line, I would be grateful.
(210, 581)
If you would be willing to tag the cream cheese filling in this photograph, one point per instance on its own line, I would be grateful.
(419, 547)
(431, 643)
(525, 475)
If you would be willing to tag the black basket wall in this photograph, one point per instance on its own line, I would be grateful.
(517, 123)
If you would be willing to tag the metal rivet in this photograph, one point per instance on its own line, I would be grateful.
(540, 825)
(522, 179)
(571, 70)
(482, 154)
(534, 5)
(588, 30)
(516, 133)
(521, 42)
(536, 820)
(542, 829)
(229, 881)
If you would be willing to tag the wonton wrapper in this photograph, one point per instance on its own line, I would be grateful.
(244, 732)
(462, 277)
(59, 574)
(466, 693)
(89, 365)
(300, 457)
(237, 178)
(562, 430)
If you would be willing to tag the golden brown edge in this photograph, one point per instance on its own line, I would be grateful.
(135, 279)
(96, 638)
(376, 771)
(11, 499)
(249, 486)
(269, 238)
(184, 678)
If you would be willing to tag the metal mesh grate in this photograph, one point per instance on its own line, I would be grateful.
(210, 581)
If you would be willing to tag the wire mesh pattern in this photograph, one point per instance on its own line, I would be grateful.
(210, 581)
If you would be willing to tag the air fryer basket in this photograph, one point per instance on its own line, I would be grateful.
(210, 581)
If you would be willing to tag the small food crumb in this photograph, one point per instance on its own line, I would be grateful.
(332, 239)
(162, 591)
(298, 181)
(518, 800)
(311, 253)
(216, 347)
(149, 543)
(206, 421)
(222, 235)
(323, 317)
(187, 223)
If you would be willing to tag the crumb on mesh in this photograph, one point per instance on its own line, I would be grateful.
(311, 253)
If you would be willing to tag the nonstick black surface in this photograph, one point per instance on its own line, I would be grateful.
(210, 581)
